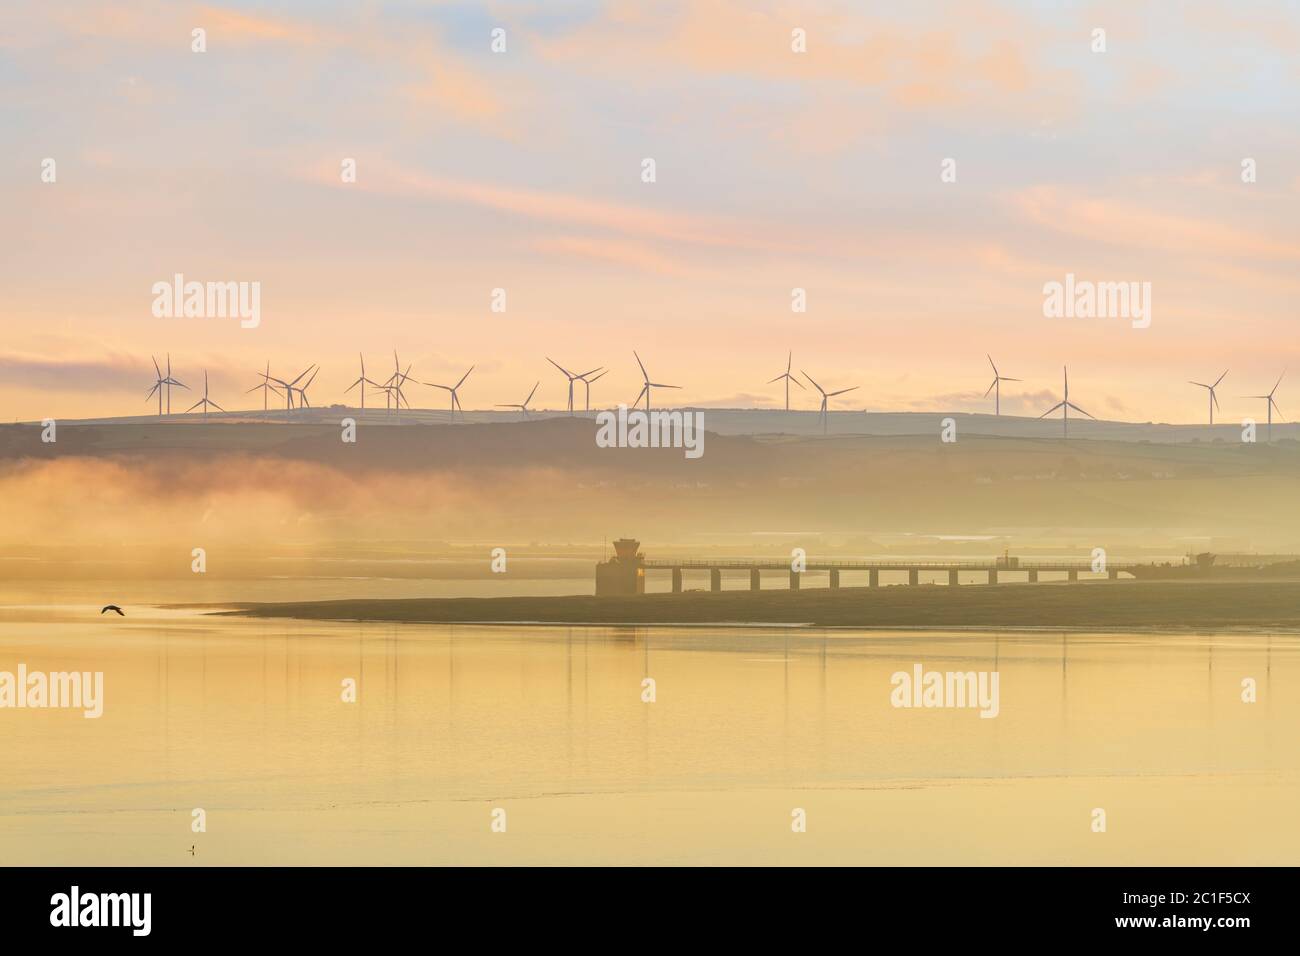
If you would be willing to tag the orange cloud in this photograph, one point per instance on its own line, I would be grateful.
(1119, 223)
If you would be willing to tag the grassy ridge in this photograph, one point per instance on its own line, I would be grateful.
(1085, 605)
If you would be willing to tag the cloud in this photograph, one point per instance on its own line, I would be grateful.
(558, 208)
(991, 57)
(1120, 223)
(111, 372)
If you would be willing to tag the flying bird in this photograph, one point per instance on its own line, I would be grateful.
(112, 607)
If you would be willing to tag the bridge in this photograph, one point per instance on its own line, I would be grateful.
(625, 573)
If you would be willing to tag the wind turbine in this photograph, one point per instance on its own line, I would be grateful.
(524, 407)
(169, 382)
(824, 412)
(570, 376)
(266, 385)
(302, 389)
(204, 401)
(645, 389)
(395, 382)
(586, 405)
(1065, 405)
(789, 360)
(157, 385)
(363, 382)
(289, 388)
(455, 400)
(996, 387)
(1271, 404)
(1214, 400)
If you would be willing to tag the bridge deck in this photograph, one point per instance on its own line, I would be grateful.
(665, 564)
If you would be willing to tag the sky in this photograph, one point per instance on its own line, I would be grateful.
(775, 170)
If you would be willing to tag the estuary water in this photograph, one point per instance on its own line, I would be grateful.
(548, 730)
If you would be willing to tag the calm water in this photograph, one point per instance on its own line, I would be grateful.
(243, 718)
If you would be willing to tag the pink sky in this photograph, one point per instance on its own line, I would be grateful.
(775, 170)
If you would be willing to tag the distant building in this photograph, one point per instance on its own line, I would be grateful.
(624, 573)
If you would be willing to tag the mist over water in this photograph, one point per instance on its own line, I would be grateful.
(243, 718)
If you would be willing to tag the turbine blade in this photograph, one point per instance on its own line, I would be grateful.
(1220, 378)
(990, 388)
(842, 391)
(1080, 410)
(1052, 409)
(644, 374)
(463, 377)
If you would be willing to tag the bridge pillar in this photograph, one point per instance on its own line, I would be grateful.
(835, 577)
(715, 579)
(873, 579)
(794, 580)
(1033, 577)
(1074, 575)
(677, 580)
(993, 575)
(952, 579)
(1113, 575)
(913, 576)
(754, 579)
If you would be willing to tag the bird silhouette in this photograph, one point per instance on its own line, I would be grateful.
(112, 607)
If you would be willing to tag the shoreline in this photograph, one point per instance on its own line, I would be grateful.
(1095, 606)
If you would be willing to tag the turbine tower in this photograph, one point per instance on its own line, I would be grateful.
(1214, 400)
(645, 389)
(996, 387)
(586, 405)
(363, 382)
(1065, 405)
(266, 385)
(302, 389)
(524, 407)
(455, 400)
(160, 381)
(824, 412)
(1271, 404)
(789, 360)
(393, 385)
(169, 382)
(571, 377)
(204, 401)
(289, 388)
